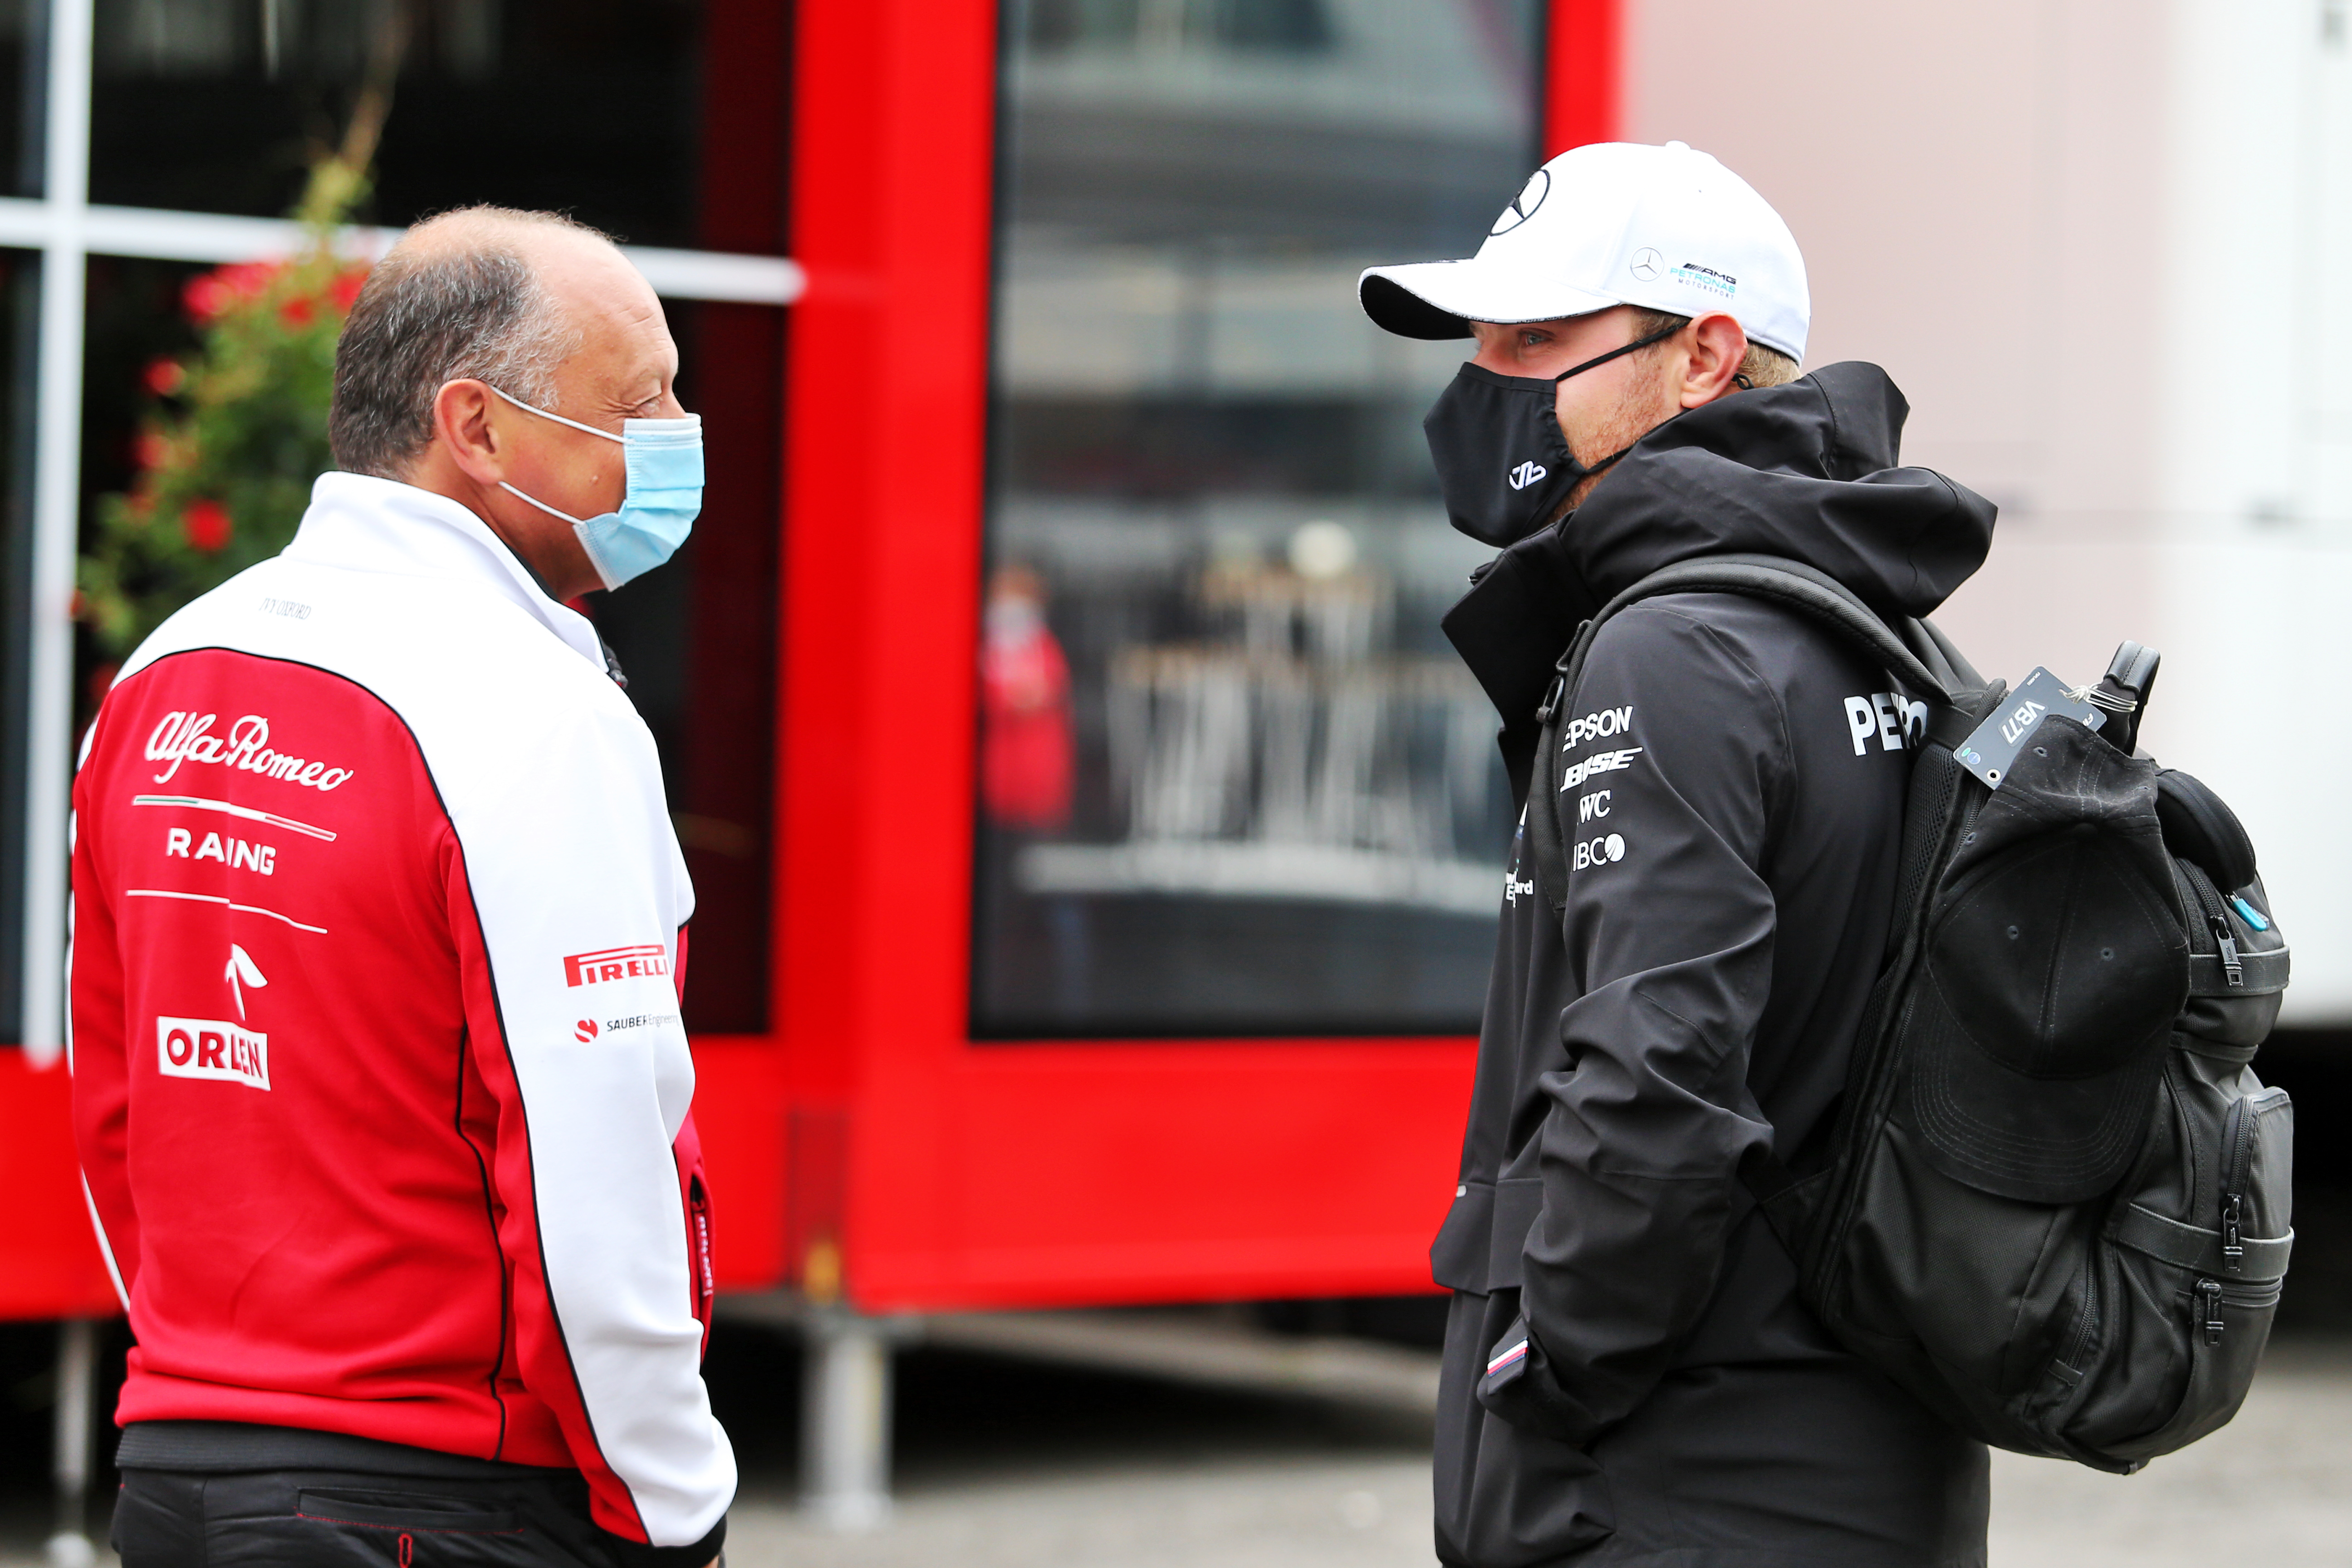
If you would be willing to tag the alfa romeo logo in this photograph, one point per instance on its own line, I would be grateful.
(1646, 264)
(1523, 206)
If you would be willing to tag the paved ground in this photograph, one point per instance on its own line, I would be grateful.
(2274, 1490)
(1287, 1511)
(1017, 1462)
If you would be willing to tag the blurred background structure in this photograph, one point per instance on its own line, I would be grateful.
(1287, 806)
(1097, 846)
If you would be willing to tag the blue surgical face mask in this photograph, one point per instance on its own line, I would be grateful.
(663, 460)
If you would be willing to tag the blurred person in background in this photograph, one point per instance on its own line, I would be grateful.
(380, 1082)
(1025, 744)
(1629, 1376)
(1028, 768)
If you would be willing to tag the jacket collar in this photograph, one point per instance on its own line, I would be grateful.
(365, 524)
(1521, 613)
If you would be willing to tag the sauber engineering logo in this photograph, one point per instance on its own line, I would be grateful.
(188, 738)
(615, 964)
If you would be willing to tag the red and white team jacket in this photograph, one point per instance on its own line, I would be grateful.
(379, 1078)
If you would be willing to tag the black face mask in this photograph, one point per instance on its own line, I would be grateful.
(1502, 465)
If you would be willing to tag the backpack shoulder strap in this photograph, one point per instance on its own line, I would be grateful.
(1907, 657)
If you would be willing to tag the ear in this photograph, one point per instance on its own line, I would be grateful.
(1718, 345)
(466, 424)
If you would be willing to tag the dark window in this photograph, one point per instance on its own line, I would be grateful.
(1232, 779)
(597, 108)
(698, 639)
(24, 68)
(660, 119)
(22, 72)
(1055, 25)
(20, 278)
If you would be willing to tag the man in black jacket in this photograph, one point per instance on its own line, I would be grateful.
(1629, 1376)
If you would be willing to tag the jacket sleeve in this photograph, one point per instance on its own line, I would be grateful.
(566, 894)
(1672, 756)
(97, 1052)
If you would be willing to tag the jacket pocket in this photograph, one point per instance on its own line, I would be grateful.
(1518, 1204)
(419, 1513)
(400, 1530)
(1457, 1259)
(698, 1232)
(1485, 1235)
(694, 1194)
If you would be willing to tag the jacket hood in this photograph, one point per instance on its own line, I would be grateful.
(1807, 471)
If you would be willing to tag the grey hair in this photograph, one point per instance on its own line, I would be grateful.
(454, 301)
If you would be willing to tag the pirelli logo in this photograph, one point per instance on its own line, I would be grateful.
(615, 964)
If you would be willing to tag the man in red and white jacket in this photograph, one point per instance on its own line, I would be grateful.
(379, 1079)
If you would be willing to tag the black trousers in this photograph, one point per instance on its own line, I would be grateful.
(328, 1519)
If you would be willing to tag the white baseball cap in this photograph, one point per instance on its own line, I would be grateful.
(1615, 223)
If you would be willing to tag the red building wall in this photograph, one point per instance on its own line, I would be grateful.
(869, 1146)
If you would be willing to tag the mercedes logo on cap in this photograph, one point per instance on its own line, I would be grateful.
(1523, 206)
(1646, 264)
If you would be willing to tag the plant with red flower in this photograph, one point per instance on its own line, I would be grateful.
(237, 430)
(205, 297)
(209, 296)
(207, 526)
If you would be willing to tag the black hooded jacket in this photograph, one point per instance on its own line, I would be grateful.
(1732, 796)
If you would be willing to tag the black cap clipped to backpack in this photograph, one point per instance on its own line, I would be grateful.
(2058, 965)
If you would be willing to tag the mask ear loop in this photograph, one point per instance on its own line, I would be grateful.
(560, 419)
(1661, 335)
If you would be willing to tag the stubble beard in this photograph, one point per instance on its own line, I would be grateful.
(1634, 415)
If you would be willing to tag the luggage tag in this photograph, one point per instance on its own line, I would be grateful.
(1995, 743)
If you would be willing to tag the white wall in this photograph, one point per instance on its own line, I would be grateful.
(2256, 566)
(2104, 246)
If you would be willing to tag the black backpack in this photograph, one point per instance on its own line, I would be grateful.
(2053, 1202)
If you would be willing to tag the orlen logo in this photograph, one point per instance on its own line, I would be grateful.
(209, 1048)
(188, 738)
(615, 964)
(1526, 474)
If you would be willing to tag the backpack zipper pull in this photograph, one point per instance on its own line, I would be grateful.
(1556, 694)
(2230, 965)
(2210, 1291)
(2233, 1247)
